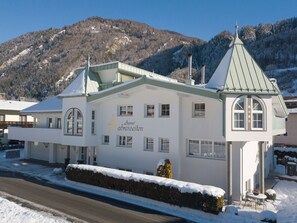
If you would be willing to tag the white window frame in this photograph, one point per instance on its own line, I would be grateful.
(198, 111)
(257, 112)
(210, 154)
(164, 145)
(164, 110)
(195, 143)
(93, 132)
(239, 112)
(149, 111)
(124, 141)
(148, 144)
(125, 110)
(73, 125)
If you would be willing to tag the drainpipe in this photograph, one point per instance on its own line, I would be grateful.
(261, 169)
(229, 172)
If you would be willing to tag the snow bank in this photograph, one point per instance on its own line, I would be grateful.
(183, 187)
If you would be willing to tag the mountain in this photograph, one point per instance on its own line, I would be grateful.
(40, 64)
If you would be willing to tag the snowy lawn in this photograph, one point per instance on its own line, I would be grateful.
(285, 205)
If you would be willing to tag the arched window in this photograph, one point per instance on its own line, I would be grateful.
(74, 122)
(239, 114)
(257, 114)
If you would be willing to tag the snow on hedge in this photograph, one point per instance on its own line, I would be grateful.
(182, 186)
(286, 149)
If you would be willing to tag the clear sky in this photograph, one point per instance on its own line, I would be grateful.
(197, 18)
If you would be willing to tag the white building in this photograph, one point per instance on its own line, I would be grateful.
(120, 116)
(10, 116)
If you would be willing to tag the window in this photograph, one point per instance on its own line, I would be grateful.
(93, 123)
(93, 128)
(149, 111)
(164, 145)
(248, 110)
(58, 123)
(219, 150)
(257, 114)
(125, 110)
(165, 110)
(2, 118)
(206, 149)
(148, 144)
(1, 133)
(93, 115)
(199, 110)
(23, 118)
(49, 122)
(105, 139)
(74, 122)
(239, 114)
(125, 141)
(194, 147)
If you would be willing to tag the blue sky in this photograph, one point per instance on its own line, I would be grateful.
(196, 18)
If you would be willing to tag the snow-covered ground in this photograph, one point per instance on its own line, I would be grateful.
(14, 213)
(285, 205)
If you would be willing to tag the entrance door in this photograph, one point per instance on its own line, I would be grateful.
(83, 154)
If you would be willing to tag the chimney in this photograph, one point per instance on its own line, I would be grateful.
(202, 72)
(189, 66)
(189, 81)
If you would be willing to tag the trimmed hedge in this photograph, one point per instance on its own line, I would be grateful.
(150, 190)
(282, 154)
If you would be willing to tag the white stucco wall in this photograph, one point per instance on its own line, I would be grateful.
(255, 135)
(136, 158)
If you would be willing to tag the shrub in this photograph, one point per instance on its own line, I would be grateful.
(164, 192)
(271, 194)
(164, 169)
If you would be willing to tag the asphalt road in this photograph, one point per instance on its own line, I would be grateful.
(84, 206)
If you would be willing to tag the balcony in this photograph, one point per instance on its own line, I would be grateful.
(5, 124)
(48, 135)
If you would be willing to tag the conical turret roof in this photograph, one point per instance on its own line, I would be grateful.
(239, 73)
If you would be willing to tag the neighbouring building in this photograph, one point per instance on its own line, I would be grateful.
(120, 116)
(10, 116)
(290, 137)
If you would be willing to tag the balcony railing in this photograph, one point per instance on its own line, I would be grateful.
(5, 124)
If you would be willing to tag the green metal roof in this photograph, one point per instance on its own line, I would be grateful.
(239, 73)
(157, 83)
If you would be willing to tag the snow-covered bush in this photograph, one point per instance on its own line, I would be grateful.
(186, 194)
(268, 216)
(271, 194)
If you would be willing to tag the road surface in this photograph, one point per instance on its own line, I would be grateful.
(84, 206)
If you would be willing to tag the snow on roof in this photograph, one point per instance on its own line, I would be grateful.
(53, 104)
(182, 186)
(77, 87)
(15, 105)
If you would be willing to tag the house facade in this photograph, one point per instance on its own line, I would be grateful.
(119, 116)
(10, 116)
